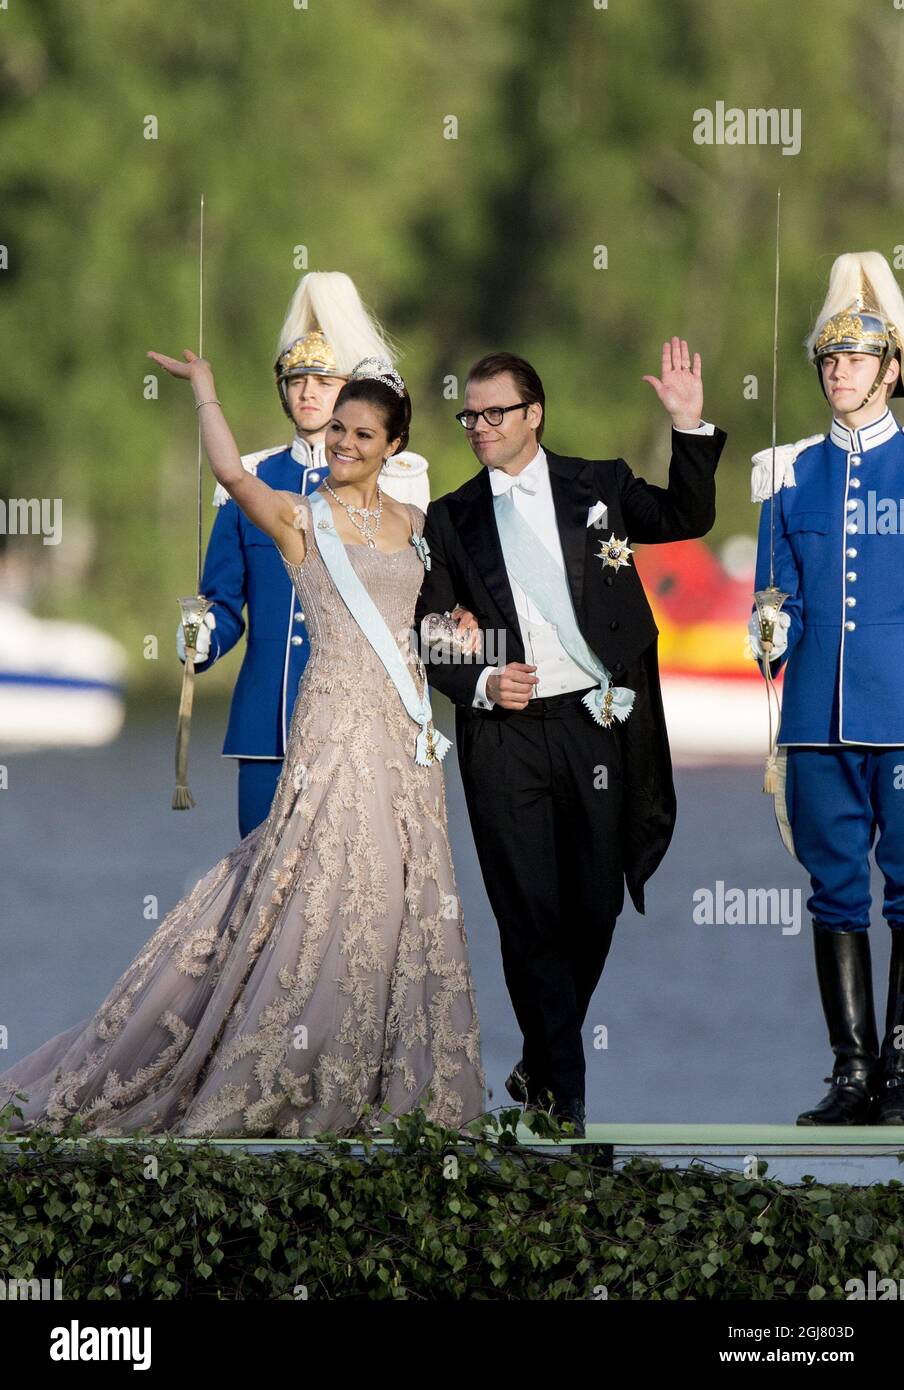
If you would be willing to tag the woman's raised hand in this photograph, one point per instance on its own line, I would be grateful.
(270, 510)
(193, 368)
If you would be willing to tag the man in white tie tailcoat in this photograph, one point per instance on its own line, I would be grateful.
(560, 730)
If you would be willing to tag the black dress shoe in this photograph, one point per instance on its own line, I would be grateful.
(521, 1088)
(517, 1084)
(844, 971)
(572, 1110)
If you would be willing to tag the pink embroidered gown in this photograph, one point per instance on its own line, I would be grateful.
(322, 965)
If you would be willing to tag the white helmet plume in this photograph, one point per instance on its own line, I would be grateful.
(329, 300)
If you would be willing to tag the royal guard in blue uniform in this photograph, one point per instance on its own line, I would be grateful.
(833, 524)
(327, 331)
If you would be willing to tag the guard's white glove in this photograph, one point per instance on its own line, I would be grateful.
(779, 637)
(202, 651)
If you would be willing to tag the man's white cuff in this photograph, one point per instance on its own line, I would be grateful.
(702, 428)
(481, 698)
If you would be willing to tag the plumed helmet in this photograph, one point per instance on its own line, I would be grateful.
(327, 331)
(863, 312)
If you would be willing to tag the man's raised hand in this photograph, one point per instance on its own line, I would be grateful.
(681, 386)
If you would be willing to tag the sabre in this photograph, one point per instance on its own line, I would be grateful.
(778, 248)
(201, 354)
(194, 608)
(769, 600)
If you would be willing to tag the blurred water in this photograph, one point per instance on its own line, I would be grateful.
(704, 1023)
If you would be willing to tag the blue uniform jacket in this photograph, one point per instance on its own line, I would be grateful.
(243, 569)
(839, 555)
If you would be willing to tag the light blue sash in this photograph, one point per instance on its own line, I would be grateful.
(544, 581)
(430, 745)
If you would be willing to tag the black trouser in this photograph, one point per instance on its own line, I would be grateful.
(543, 788)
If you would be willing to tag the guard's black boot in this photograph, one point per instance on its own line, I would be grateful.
(890, 1083)
(844, 971)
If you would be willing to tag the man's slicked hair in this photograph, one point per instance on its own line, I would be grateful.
(530, 387)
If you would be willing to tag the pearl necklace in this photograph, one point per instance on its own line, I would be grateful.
(367, 528)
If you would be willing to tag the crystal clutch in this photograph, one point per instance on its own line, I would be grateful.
(442, 639)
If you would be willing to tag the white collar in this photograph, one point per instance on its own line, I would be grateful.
(867, 437)
(306, 455)
(528, 479)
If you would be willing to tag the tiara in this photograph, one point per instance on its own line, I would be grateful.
(378, 369)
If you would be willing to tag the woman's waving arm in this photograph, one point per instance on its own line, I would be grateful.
(270, 510)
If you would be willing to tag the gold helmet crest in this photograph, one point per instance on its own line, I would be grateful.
(327, 331)
(864, 313)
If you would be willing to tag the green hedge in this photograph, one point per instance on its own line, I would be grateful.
(441, 1214)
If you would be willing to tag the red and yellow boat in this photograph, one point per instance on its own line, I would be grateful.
(712, 690)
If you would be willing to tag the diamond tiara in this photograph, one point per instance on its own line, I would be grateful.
(378, 369)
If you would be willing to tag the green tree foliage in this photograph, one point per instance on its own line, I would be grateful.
(328, 127)
(426, 1213)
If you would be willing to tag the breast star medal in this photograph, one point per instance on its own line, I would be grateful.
(614, 552)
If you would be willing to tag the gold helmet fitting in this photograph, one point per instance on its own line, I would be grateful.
(861, 327)
(308, 355)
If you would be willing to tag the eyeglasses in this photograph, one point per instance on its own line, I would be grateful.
(493, 414)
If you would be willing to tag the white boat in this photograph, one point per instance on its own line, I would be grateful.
(61, 683)
(717, 718)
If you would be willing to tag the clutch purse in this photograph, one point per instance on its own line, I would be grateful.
(443, 641)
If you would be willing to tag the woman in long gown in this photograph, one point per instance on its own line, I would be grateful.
(321, 967)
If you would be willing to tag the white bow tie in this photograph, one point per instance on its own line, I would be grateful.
(504, 482)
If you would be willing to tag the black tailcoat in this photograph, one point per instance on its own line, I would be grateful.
(613, 614)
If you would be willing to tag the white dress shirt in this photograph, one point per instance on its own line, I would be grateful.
(556, 671)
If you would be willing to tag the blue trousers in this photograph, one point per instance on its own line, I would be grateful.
(257, 787)
(837, 799)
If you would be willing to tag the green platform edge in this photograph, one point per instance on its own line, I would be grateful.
(702, 1138)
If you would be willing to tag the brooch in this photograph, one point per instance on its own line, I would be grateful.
(422, 548)
(615, 552)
